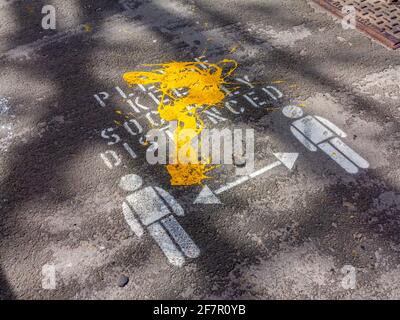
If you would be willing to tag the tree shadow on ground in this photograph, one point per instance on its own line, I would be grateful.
(33, 169)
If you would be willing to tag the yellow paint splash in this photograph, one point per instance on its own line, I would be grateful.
(278, 81)
(233, 49)
(87, 27)
(203, 87)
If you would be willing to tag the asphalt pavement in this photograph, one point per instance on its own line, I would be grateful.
(312, 224)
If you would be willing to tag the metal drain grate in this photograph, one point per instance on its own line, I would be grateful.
(378, 19)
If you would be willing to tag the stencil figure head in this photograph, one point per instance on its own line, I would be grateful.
(292, 112)
(130, 182)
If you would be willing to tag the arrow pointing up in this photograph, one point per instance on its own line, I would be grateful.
(206, 196)
(287, 159)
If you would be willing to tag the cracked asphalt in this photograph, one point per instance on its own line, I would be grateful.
(312, 232)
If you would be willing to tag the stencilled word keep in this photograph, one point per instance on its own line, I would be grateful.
(349, 280)
(49, 20)
(349, 17)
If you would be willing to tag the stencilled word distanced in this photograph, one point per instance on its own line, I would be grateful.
(49, 281)
(49, 20)
(349, 18)
(211, 146)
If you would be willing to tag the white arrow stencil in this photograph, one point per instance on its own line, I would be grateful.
(206, 196)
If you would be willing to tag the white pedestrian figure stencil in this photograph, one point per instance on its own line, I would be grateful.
(315, 131)
(150, 208)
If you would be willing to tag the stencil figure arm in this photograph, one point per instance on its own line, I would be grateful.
(332, 126)
(304, 141)
(130, 218)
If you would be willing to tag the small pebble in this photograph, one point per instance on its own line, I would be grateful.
(123, 281)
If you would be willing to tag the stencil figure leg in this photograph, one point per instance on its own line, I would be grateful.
(350, 153)
(340, 159)
(180, 236)
(173, 254)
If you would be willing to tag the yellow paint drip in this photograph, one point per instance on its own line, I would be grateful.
(87, 27)
(233, 50)
(203, 86)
